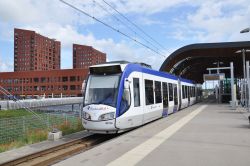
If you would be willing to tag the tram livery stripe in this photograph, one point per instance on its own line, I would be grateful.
(136, 154)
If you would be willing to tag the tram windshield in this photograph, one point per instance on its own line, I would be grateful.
(102, 89)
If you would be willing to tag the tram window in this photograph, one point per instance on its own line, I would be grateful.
(193, 92)
(158, 92)
(175, 94)
(183, 92)
(170, 87)
(136, 85)
(186, 91)
(165, 94)
(149, 92)
(189, 93)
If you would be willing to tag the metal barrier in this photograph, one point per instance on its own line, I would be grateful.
(35, 103)
(20, 128)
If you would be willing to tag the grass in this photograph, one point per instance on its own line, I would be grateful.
(31, 136)
(67, 128)
(19, 128)
(14, 113)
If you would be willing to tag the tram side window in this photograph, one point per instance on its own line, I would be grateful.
(149, 92)
(190, 91)
(183, 92)
(165, 94)
(158, 98)
(136, 85)
(186, 91)
(170, 87)
(175, 94)
(193, 92)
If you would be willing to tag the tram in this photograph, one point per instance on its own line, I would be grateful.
(120, 96)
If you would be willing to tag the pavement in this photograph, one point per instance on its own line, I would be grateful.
(204, 134)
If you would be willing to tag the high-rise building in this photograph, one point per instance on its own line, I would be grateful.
(33, 51)
(85, 56)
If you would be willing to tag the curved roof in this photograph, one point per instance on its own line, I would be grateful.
(192, 61)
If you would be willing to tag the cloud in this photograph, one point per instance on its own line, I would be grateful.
(39, 12)
(56, 20)
(5, 66)
(206, 21)
(147, 7)
(214, 21)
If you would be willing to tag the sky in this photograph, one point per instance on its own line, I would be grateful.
(164, 26)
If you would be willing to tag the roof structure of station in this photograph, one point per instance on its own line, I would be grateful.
(192, 61)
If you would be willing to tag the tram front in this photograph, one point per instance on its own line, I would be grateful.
(100, 100)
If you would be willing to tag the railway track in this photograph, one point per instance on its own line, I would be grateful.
(55, 154)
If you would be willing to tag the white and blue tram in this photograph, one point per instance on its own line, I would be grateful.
(120, 96)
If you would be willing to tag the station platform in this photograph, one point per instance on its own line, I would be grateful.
(204, 134)
(33, 148)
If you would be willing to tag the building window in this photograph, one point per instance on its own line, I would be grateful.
(36, 79)
(65, 87)
(43, 79)
(64, 79)
(72, 79)
(72, 87)
(43, 88)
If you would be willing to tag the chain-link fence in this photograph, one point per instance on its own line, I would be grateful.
(28, 127)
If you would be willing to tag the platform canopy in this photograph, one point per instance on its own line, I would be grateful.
(192, 61)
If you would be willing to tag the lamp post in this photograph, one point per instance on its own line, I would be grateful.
(219, 87)
(243, 51)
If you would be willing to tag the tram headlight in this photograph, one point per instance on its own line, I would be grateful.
(107, 116)
(86, 116)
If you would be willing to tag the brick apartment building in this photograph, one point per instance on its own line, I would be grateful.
(33, 51)
(85, 56)
(54, 83)
(37, 67)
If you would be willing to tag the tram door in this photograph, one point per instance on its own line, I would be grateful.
(179, 92)
(175, 97)
(165, 98)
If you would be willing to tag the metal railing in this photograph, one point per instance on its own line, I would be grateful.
(35, 103)
(20, 128)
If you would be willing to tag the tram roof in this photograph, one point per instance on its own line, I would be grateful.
(192, 61)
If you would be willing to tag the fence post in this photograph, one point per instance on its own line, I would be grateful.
(48, 124)
(66, 119)
(24, 127)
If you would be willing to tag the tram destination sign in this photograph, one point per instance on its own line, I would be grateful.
(211, 77)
